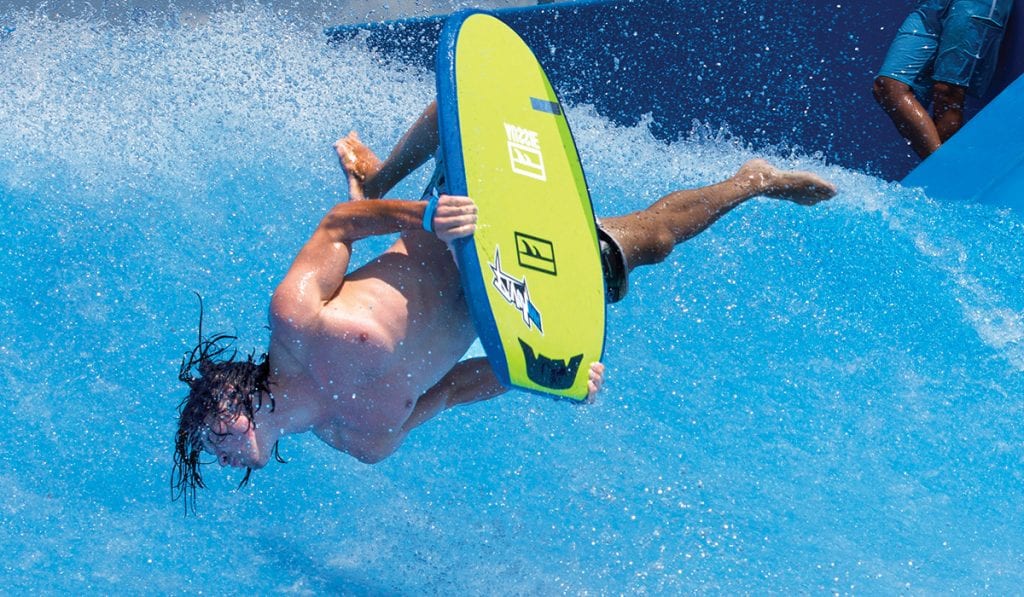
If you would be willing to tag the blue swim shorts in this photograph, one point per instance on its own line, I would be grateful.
(952, 41)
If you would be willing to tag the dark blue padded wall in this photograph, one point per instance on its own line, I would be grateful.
(792, 72)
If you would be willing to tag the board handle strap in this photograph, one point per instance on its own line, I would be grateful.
(428, 213)
(433, 193)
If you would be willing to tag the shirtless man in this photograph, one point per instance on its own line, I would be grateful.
(361, 358)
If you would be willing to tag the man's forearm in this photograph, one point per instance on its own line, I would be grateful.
(347, 222)
(471, 381)
(468, 381)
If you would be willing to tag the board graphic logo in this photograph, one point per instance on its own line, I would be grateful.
(536, 253)
(556, 374)
(515, 293)
(524, 152)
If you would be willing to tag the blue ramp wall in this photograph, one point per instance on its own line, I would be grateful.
(793, 72)
(984, 162)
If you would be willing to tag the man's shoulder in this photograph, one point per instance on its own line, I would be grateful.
(288, 310)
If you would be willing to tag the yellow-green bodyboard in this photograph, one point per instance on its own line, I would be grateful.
(532, 270)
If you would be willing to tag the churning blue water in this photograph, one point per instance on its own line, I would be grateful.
(799, 400)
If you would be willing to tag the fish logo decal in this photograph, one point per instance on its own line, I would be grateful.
(536, 253)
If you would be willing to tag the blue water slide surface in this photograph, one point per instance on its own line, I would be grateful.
(774, 72)
(984, 162)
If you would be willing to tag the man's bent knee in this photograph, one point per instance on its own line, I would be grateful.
(948, 96)
(662, 242)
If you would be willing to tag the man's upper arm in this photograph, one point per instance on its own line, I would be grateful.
(315, 275)
(319, 269)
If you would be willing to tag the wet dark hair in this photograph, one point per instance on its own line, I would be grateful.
(220, 385)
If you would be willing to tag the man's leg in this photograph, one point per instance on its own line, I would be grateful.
(910, 117)
(948, 108)
(368, 176)
(649, 235)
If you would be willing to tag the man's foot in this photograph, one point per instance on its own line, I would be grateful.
(359, 163)
(797, 186)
